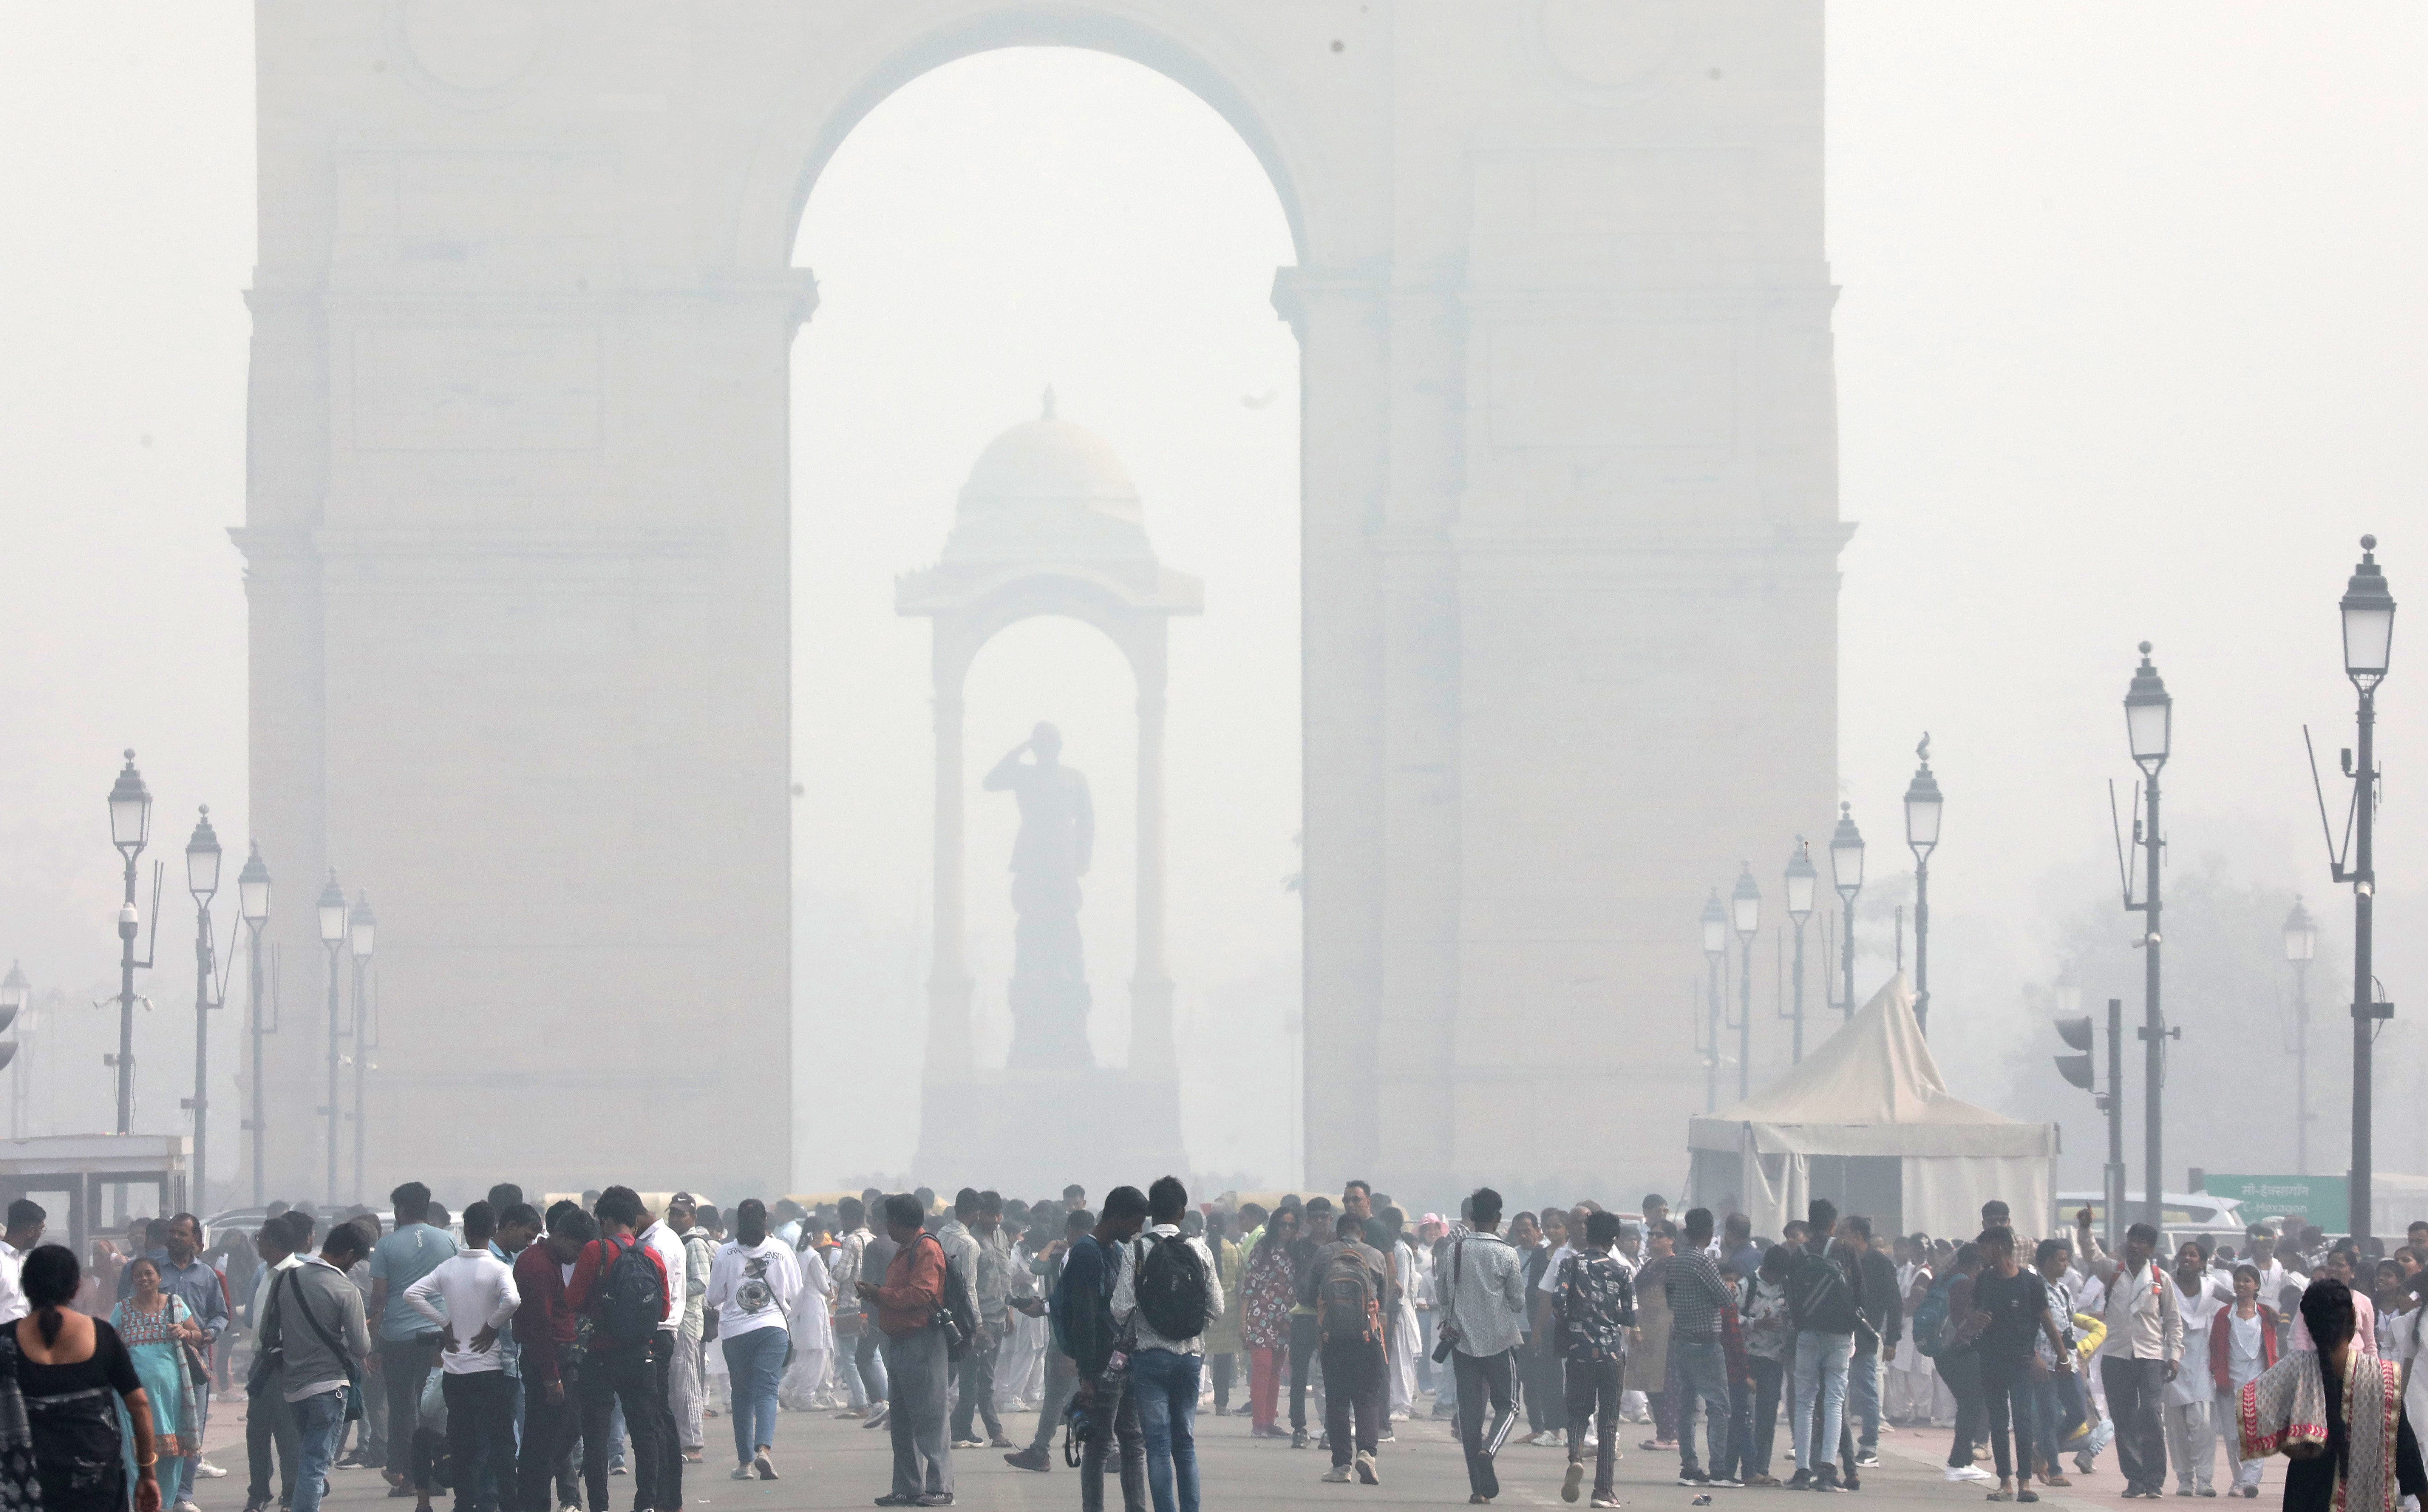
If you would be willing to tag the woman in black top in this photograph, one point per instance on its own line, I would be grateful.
(2009, 1305)
(62, 1375)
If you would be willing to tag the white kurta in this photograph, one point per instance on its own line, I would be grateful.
(812, 1326)
(1405, 1338)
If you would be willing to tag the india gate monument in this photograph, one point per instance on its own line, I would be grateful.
(517, 529)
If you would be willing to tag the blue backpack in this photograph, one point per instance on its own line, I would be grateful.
(1930, 1319)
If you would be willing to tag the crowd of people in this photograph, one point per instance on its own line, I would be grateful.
(523, 1360)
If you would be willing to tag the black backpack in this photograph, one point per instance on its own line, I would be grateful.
(956, 1311)
(631, 1300)
(1818, 1297)
(1170, 1284)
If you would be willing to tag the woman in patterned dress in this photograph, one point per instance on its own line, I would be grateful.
(1265, 1319)
(156, 1327)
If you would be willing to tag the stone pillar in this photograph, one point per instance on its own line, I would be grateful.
(948, 978)
(1343, 327)
(1152, 1054)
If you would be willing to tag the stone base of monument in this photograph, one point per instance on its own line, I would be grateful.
(1030, 1133)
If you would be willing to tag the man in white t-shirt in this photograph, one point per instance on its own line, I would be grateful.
(470, 1296)
(26, 1217)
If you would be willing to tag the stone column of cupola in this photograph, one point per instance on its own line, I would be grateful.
(1152, 1051)
(949, 986)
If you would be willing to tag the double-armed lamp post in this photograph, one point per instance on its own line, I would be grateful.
(2300, 947)
(1745, 911)
(130, 829)
(1801, 884)
(2149, 723)
(2368, 610)
(202, 881)
(253, 902)
(1922, 808)
(1716, 952)
(1847, 877)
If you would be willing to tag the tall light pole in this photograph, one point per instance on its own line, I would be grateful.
(333, 934)
(2300, 947)
(1716, 950)
(2149, 720)
(1847, 877)
(1921, 806)
(361, 934)
(253, 902)
(130, 829)
(2368, 611)
(1800, 882)
(1745, 911)
(203, 880)
(15, 993)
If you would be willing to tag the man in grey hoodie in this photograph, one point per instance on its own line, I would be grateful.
(315, 1325)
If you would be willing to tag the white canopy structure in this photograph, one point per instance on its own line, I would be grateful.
(1867, 1121)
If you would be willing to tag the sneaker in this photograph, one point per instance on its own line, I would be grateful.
(1387, 1437)
(2183, 1491)
(1298, 1437)
(1365, 1469)
(997, 1441)
(1337, 1475)
(969, 1443)
(876, 1415)
(1800, 1481)
(1030, 1458)
(187, 1506)
(765, 1465)
(1730, 1481)
(1692, 1476)
(1825, 1478)
(1574, 1482)
(2251, 1490)
(1852, 1482)
(1966, 1472)
(853, 1412)
(2206, 1491)
(1868, 1459)
(743, 1472)
(1605, 1500)
(205, 1468)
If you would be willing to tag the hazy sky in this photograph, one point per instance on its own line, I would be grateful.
(2130, 345)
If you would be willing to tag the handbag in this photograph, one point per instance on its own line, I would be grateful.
(353, 1375)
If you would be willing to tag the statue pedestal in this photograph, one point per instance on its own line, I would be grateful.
(1029, 1133)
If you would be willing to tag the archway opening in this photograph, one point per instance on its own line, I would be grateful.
(1015, 219)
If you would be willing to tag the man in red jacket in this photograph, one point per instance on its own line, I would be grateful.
(544, 1331)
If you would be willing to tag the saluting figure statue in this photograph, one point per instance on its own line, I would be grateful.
(1057, 840)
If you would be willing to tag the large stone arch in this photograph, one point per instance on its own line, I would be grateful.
(1193, 45)
(518, 523)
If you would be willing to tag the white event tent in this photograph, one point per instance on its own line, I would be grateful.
(1867, 1121)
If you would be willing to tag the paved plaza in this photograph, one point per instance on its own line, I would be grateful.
(831, 1464)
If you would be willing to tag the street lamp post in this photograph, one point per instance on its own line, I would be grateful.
(1745, 911)
(1847, 877)
(361, 932)
(130, 829)
(1921, 806)
(15, 993)
(1800, 881)
(1716, 950)
(203, 880)
(2368, 611)
(2300, 947)
(333, 934)
(253, 902)
(2149, 721)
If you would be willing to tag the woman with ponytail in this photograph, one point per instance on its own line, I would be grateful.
(62, 1377)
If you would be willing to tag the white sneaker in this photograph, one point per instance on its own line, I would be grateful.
(743, 1473)
(1967, 1473)
(205, 1468)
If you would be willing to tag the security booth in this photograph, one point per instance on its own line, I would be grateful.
(89, 1182)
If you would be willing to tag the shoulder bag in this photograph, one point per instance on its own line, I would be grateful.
(354, 1377)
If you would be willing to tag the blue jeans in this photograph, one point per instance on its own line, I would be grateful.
(1704, 1369)
(1166, 1384)
(1863, 1398)
(756, 1361)
(319, 1425)
(1821, 1361)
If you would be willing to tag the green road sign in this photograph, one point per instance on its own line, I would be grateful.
(2325, 1201)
